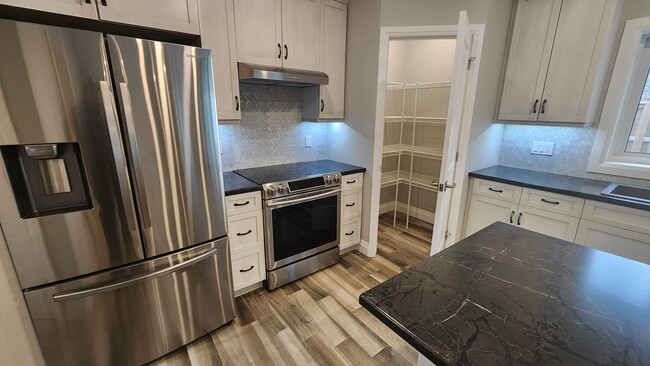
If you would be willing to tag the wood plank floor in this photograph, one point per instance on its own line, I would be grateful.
(317, 320)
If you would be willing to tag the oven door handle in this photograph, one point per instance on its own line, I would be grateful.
(303, 199)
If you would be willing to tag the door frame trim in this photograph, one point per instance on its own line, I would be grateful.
(386, 34)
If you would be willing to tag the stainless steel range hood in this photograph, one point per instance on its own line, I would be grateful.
(271, 75)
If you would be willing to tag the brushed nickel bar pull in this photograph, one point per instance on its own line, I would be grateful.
(71, 295)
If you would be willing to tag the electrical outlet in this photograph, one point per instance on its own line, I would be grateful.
(308, 141)
(542, 148)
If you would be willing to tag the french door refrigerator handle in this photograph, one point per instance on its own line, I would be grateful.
(139, 177)
(71, 295)
(118, 154)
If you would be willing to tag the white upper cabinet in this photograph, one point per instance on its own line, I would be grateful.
(283, 33)
(558, 55)
(332, 58)
(218, 34)
(258, 25)
(76, 8)
(173, 15)
(300, 34)
(530, 52)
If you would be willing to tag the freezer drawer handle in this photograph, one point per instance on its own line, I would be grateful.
(241, 204)
(247, 270)
(244, 234)
(71, 295)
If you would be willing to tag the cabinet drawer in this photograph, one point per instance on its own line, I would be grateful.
(502, 191)
(546, 222)
(246, 231)
(351, 204)
(350, 233)
(554, 202)
(248, 268)
(619, 216)
(352, 181)
(245, 202)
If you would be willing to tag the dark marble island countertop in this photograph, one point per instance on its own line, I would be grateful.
(234, 183)
(506, 296)
(563, 184)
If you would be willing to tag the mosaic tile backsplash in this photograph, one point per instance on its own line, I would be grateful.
(570, 156)
(271, 130)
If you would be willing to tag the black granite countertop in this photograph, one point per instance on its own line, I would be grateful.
(506, 295)
(283, 172)
(234, 183)
(563, 184)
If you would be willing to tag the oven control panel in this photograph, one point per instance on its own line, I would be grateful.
(288, 188)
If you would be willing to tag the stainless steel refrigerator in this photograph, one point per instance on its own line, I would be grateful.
(111, 194)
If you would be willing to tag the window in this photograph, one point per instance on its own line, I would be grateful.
(622, 145)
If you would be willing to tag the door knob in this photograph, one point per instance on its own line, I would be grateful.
(444, 186)
(450, 185)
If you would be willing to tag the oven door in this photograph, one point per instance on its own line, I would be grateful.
(300, 226)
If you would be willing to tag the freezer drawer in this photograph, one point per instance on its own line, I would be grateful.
(135, 314)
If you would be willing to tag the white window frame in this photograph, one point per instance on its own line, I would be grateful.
(608, 155)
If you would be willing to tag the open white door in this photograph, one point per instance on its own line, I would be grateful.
(454, 118)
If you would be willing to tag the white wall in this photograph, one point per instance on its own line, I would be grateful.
(18, 344)
(420, 60)
(431, 12)
(352, 141)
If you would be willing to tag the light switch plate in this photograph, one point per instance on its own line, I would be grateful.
(542, 148)
(308, 141)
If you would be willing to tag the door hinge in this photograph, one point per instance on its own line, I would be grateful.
(447, 234)
(469, 62)
(456, 155)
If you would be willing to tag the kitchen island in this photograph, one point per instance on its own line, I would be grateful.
(506, 295)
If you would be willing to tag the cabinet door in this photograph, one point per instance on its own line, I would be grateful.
(528, 59)
(258, 26)
(485, 211)
(76, 8)
(300, 34)
(332, 58)
(626, 243)
(218, 34)
(576, 61)
(548, 223)
(173, 15)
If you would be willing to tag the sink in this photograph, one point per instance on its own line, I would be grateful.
(641, 195)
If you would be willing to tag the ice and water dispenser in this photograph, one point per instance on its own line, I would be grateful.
(47, 179)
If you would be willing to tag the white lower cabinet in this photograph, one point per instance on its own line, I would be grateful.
(351, 208)
(485, 211)
(611, 228)
(546, 222)
(246, 235)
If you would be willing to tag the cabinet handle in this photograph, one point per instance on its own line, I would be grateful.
(350, 204)
(543, 107)
(322, 105)
(351, 182)
(244, 234)
(535, 105)
(104, 3)
(247, 270)
(236, 103)
(512, 217)
(279, 50)
(519, 218)
(495, 190)
(88, 2)
(350, 233)
(551, 202)
(286, 51)
(241, 204)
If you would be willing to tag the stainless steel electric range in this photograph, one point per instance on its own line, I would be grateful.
(301, 219)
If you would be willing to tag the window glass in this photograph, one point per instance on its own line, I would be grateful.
(638, 140)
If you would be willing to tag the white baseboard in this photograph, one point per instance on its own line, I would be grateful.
(364, 248)
(424, 215)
